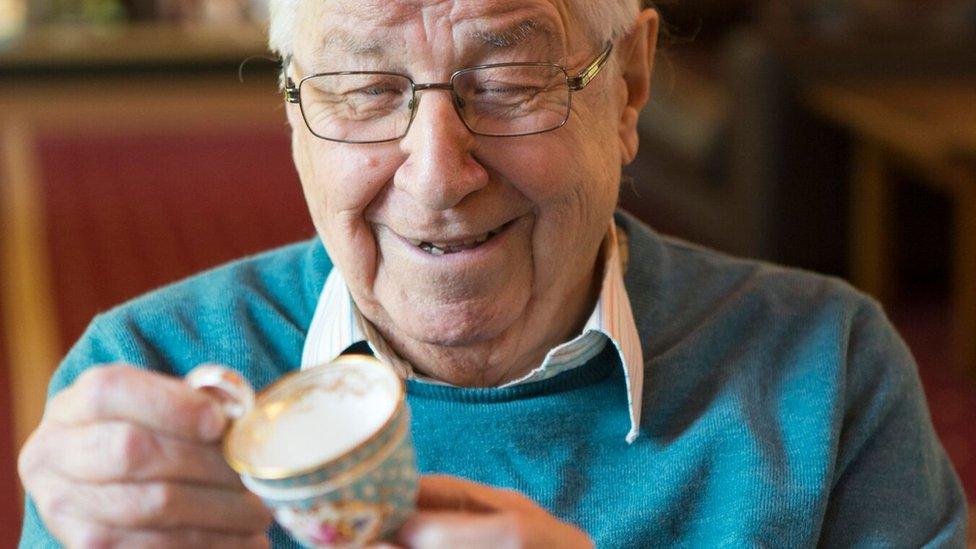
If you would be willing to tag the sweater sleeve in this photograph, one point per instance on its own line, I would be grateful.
(92, 349)
(893, 484)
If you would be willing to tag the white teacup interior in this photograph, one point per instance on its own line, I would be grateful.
(316, 416)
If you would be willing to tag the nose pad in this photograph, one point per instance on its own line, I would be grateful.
(414, 103)
(439, 170)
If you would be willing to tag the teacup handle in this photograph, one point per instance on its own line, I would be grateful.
(235, 394)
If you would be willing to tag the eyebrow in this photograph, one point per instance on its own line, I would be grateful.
(525, 30)
(513, 35)
(350, 43)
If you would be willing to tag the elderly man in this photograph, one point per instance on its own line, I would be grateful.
(574, 376)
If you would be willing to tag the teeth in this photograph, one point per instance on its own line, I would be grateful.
(431, 249)
(441, 248)
(476, 240)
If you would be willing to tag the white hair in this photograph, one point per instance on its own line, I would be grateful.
(602, 20)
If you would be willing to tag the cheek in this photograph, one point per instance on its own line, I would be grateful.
(572, 180)
(563, 173)
(339, 180)
(340, 183)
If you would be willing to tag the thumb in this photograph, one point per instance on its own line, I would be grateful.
(449, 529)
(447, 493)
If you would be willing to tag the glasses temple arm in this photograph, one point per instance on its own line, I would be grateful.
(288, 85)
(588, 73)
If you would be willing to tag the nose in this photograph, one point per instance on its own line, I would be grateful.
(440, 169)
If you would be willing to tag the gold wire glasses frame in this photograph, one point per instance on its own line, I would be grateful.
(567, 84)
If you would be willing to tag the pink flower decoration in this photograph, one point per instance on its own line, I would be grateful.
(325, 533)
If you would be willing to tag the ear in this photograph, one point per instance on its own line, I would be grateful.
(636, 58)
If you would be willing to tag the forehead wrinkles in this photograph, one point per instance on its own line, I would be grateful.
(379, 12)
(372, 28)
(364, 14)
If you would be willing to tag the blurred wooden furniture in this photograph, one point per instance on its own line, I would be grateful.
(129, 158)
(928, 124)
(30, 111)
(73, 48)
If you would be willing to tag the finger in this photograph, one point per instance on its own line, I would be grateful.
(77, 533)
(154, 506)
(116, 451)
(447, 493)
(152, 400)
(436, 529)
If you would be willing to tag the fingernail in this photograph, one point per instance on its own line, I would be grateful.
(212, 423)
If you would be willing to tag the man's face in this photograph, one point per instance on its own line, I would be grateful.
(523, 216)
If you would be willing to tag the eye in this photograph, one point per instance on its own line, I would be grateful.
(357, 86)
(502, 88)
(507, 84)
(378, 90)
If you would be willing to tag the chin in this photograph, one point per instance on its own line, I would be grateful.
(460, 325)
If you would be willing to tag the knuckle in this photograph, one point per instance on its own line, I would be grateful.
(53, 505)
(133, 448)
(29, 459)
(49, 505)
(91, 537)
(160, 502)
(96, 385)
(94, 377)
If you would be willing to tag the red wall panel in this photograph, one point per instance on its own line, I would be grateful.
(125, 214)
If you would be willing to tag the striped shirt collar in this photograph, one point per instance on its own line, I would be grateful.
(337, 324)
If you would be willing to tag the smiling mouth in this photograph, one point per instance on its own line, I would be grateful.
(455, 246)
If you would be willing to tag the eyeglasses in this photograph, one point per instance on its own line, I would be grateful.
(498, 100)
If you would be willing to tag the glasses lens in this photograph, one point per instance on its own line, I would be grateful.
(357, 107)
(513, 100)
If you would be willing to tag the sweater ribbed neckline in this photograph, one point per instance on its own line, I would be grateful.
(594, 371)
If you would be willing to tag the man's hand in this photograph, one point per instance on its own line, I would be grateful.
(452, 512)
(129, 458)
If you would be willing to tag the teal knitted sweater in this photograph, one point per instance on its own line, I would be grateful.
(780, 408)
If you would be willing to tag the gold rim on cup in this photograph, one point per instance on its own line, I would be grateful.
(343, 479)
(279, 473)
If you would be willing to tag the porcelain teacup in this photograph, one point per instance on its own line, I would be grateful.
(328, 449)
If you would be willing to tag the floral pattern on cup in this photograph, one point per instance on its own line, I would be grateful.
(358, 496)
(369, 508)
